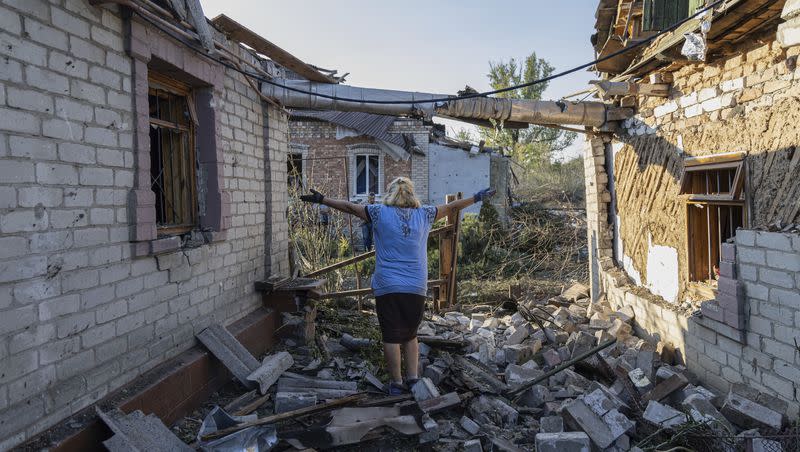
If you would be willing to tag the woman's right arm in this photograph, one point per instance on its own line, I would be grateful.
(339, 204)
(456, 206)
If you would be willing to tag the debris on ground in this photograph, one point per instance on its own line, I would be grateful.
(552, 374)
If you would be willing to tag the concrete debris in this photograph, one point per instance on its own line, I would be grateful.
(424, 389)
(270, 370)
(231, 352)
(748, 408)
(473, 445)
(562, 374)
(290, 401)
(663, 415)
(469, 425)
(137, 432)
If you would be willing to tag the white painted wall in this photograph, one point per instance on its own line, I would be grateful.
(662, 271)
(454, 170)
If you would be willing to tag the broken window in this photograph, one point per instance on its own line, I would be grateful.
(172, 154)
(367, 174)
(661, 14)
(294, 169)
(715, 209)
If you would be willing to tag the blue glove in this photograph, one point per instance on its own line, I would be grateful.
(486, 193)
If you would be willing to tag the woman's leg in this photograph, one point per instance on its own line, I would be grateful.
(411, 355)
(392, 354)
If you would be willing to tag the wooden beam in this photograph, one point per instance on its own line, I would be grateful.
(341, 264)
(608, 88)
(240, 33)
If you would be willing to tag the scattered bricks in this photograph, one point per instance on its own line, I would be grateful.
(289, 401)
(618, 423)
(536, 396)
(518, 334)
(473, 445)
(434, 373)
(747, 408)
(551, 424)
(647, 361)
(469, 425)
(563, 442)
(519, 353)
(584, 342)
(598, 402)
(620, 330)
(516, 374)
(424, 389)
(491, 410)
(640, 380)
(551, 357)
(674, 382)
(701, 410)
(579, 416)
(663, 415)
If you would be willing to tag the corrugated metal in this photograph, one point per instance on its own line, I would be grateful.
(376, 126)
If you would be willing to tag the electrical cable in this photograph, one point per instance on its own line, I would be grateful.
(443, 99)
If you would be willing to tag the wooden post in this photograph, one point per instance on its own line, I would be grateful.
(448, 242)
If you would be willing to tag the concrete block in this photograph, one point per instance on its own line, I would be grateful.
(640, 381)
(516, 374)
(469, 425)
(579, 416)
(741, 407)
(773, 240)
(663, 415)
(701, 410)
(517, 353)
(618, 423)
(563, 442)
(712, 310)
(551, 424)
(231, 352)
(288, 401)
(19, 121)
(424, 389)
(783, 260)
(473, 445)
(776, 278)
(728, 252)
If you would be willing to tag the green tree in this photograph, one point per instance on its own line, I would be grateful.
(535, 144)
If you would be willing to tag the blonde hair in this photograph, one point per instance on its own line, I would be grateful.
(400, 193)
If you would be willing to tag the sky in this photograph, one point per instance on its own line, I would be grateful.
(436, 46)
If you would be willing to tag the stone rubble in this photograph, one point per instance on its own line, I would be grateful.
(503, 366)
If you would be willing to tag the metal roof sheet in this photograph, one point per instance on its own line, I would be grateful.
(376, 126)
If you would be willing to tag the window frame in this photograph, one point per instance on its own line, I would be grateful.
(366, 152)
(160, 82)
(735, 197)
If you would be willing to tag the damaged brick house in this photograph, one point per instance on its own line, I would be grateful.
(693, 203)
(142, 193)
(329, 149)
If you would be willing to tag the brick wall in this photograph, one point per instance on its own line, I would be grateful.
(763, 354)
(327, 174)
(745, 102)
(79, 316)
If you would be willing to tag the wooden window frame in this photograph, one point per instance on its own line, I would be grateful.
(158, 82)
(361, 151)
(709, 201)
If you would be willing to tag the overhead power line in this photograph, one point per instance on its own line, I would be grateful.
(441, 99)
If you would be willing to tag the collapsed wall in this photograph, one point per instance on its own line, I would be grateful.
(638, 226)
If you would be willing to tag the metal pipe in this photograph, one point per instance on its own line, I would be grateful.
(499, 109)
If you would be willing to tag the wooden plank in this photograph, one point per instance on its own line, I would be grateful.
(714, 158)
(240, 33)
(341, 264)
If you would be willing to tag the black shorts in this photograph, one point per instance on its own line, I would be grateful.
(399, 315)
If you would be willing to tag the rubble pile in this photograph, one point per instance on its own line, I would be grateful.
(562, 374)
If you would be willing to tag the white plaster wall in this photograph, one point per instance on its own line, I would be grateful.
(662, 271)
(454, 170)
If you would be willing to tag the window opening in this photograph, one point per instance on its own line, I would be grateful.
(294, 167)
(715, 209)
(367, 174)
(172, 154)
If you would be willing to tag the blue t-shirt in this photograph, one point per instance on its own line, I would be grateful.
(401, 248)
